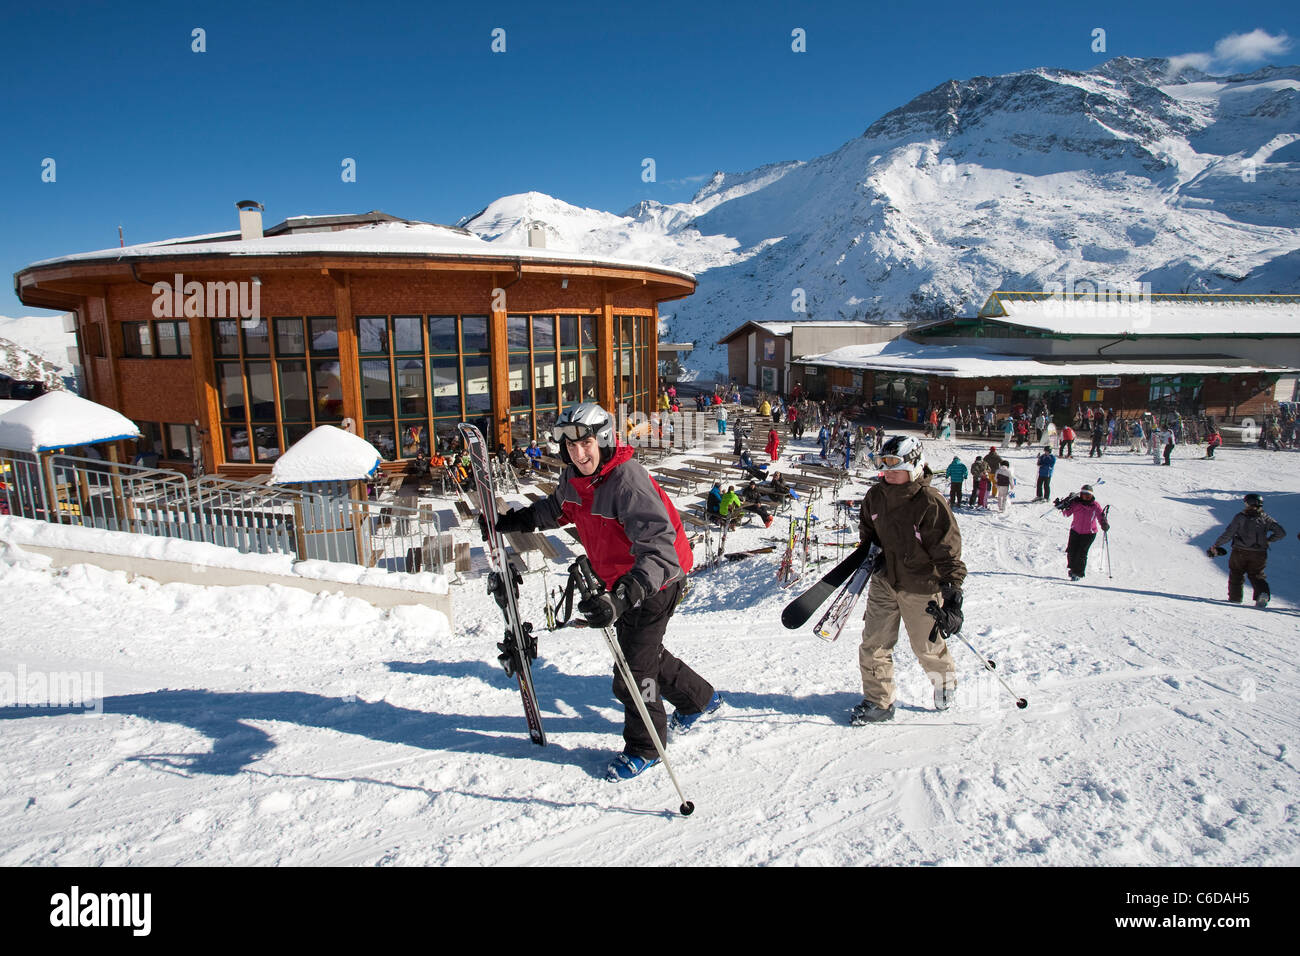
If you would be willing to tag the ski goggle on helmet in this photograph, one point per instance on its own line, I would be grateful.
(587, 420)
(901, 453)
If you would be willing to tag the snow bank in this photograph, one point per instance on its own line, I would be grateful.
(22, 531)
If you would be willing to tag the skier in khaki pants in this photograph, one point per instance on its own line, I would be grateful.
(921, 549)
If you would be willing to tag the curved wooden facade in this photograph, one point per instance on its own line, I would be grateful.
(404, 344)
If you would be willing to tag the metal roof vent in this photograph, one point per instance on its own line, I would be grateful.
(250, 219)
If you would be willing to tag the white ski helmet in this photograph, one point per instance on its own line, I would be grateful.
(585, 420)
(902, 453)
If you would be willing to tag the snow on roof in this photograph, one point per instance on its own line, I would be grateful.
(958, 361)
(1153, 315)
(62, 420)
(383, 238)
(9, 404)
(786, 328)
(326, 453)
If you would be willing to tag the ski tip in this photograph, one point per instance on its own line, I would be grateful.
(687, 808)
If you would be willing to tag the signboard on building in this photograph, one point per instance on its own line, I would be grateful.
(1108, 381)
(1093, 394)
(984, 397)
(769, 349)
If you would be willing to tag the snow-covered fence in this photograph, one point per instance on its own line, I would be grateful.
(247, 516)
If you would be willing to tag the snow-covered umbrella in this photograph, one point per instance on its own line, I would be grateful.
(326, 453)
(62, 420)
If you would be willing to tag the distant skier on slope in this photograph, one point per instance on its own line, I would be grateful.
(639, 549)
(921, 545)
(1251, 531)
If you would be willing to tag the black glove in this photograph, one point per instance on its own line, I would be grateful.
(603, 609)
(948, 618)
(520, 519)
(1216, 552)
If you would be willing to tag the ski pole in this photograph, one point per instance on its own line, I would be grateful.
(591, 585)
(932, 609)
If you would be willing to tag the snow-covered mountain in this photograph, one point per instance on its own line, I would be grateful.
(35, 348)
(1131, 172)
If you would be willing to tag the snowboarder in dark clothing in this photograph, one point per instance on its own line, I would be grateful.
(1251, 531)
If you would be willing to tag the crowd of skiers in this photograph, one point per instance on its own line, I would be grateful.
(642, 555)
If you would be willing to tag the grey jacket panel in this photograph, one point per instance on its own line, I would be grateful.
(1251, 532)
(635, 503)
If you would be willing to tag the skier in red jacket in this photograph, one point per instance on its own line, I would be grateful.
(639, 549)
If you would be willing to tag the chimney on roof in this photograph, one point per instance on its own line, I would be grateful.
(536, 235)
(250, 219)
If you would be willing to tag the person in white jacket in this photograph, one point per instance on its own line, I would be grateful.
(1006, 482)
(721, 415)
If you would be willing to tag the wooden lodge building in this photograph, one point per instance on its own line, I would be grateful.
(1231, 356)
(233, 346)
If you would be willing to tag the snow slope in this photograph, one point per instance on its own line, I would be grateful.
(1125, 173)
(260, 726)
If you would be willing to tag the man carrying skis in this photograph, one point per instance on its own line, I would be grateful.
(1086, 518)
(1251, 532)
(921, 549)
(639, 549)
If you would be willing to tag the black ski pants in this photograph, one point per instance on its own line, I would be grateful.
(658, 674)
(1043, 489)
(1076, 551)
(1247, 564)
(954, 492)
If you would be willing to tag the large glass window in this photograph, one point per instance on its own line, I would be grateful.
(519, 392)
(261, 392)
(406, 334)
(474, 333)
(376, 390)
(230, 382)
(324, 334)
(442, 333)
(269, 376)
(289, 337)
(256, 339)
(372, 334)
(295, 391)
(445, 373)
(478, 391)
(225, 338)
(136, 340)
(410, 388)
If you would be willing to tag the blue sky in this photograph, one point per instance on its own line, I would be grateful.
(149, 135)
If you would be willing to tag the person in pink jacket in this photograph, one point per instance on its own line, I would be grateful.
(1087, 517)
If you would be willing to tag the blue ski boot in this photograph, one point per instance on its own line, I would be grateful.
(680, 723)
(625, 766)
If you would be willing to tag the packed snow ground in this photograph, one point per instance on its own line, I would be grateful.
(268, 726)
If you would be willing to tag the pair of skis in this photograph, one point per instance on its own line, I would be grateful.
(519, 647)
